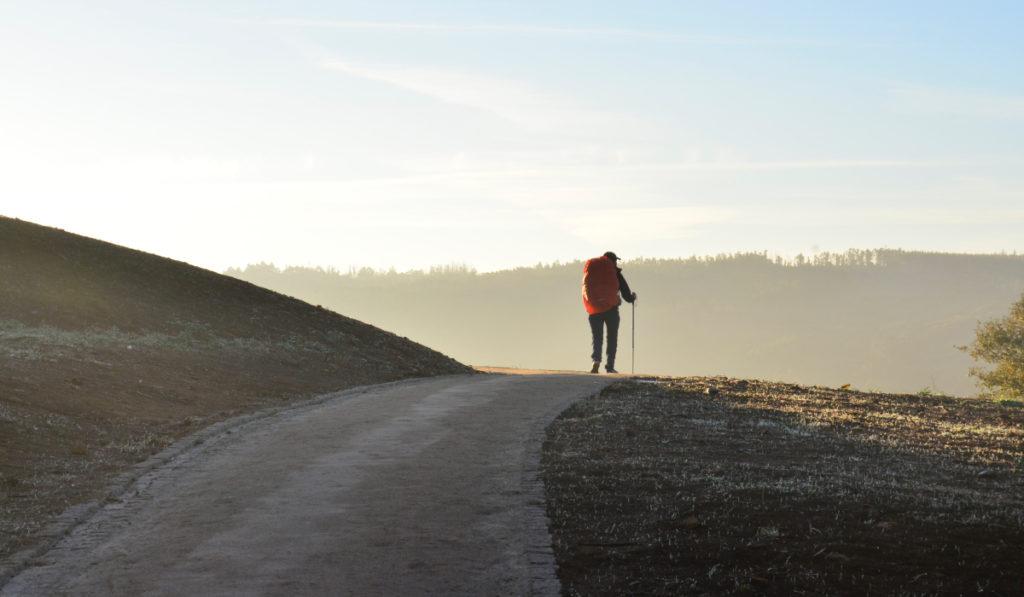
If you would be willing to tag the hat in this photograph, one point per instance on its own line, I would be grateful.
(612, 256)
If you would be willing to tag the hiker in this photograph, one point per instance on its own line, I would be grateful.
(602, 284)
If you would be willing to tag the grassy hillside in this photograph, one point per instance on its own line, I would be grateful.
(888, 320)
(108, 354)
(703, 486)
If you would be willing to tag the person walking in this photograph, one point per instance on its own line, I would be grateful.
(602, 284)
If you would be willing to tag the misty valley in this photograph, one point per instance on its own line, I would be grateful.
(880, 320)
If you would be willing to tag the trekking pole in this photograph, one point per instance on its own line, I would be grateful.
(632, 365)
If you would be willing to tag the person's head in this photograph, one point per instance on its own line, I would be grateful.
(612, 256)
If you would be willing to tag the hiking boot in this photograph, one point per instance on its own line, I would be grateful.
(596, 367)
(610, 370)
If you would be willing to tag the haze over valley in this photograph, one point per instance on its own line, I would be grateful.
(882, 320)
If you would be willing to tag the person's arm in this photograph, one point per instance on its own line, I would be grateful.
(627, 294)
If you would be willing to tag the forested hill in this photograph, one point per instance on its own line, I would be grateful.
(882, 319)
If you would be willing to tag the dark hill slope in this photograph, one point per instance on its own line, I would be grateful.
(108, 354)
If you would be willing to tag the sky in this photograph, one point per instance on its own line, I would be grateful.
(408, 134)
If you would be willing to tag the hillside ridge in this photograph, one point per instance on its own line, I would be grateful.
(109, 354)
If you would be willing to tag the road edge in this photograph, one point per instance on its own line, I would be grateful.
(538, 550)
(125, 483)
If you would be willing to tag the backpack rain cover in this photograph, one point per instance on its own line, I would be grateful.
(600, 285)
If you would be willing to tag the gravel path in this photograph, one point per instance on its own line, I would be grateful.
(421, 487)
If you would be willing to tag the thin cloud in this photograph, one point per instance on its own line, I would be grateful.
(954, 102)
(964, 216)
(508, 99)
(711, 166)
(525, 29)
(628, 224)
(399, 26)
(597, 169)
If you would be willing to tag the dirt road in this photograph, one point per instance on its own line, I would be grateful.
(421, 487)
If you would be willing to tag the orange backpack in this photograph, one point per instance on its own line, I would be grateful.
(600, 285)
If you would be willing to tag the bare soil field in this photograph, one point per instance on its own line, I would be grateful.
(714, 486)
(108, 355)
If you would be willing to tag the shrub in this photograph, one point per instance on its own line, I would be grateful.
(1000, 343)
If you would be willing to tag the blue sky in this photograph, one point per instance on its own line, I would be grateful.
(498, 134)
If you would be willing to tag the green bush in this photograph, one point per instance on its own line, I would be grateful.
(1000, 343)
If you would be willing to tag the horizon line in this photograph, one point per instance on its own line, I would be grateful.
(787, 259)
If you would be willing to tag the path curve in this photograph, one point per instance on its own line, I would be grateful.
(421, 487)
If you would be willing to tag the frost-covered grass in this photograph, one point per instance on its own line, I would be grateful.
(22, 342)
(766, 488)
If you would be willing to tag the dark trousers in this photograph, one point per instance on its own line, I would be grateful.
(597, 323)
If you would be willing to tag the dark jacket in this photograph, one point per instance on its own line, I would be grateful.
(627, 294)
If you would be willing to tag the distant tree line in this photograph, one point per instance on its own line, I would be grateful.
(879, 318)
